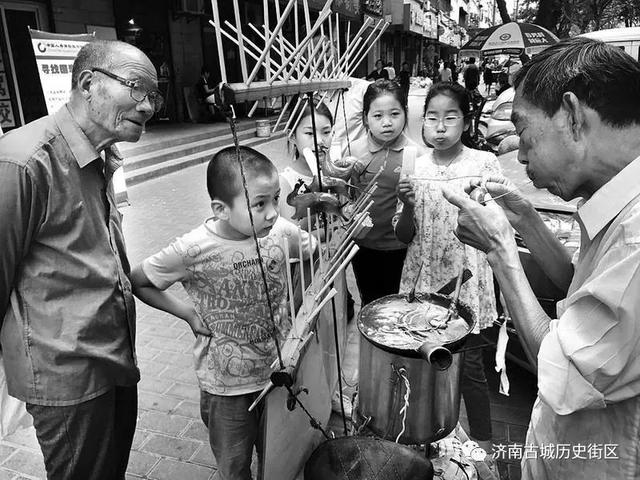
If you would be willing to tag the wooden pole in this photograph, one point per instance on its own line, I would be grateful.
(243, 60)
(216, 19)
(265, 11)
(269, 43)
(369, 46)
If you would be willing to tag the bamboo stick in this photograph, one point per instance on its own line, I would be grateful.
(269, 42)
(343, 265)
(216, 19)
(289, 282)
(265, 14)
(243, 60)
(355, 64)
(312, 267)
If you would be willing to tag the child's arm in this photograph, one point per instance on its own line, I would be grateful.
(163, 300)
(406, 228)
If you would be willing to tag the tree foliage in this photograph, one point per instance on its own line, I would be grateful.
(572, 17)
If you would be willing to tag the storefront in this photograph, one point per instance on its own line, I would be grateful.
(403, 41)
(21, 98)
(372, 9)
(175, 34)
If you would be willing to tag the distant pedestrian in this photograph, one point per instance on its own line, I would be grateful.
(67, 314)
(445, 73)
(391, 72)
(471, 75)
(219, 267)
(378, 72)
(404, 79)
(487, 77)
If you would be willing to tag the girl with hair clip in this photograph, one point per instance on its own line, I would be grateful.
(426, 221)
(385, 117)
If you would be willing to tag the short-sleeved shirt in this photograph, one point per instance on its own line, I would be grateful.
(589, 362)
(371, 157)
(68, 332)
(224, 281)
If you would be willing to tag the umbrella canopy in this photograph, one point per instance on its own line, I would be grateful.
(511, 38)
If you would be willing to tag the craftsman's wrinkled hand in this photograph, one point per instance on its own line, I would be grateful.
(405, 191)
(484, 227)
(514, 204)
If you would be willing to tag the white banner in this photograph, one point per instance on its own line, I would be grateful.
(55, 53)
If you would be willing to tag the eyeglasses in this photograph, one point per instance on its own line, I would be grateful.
(137, 90)
(449, 121)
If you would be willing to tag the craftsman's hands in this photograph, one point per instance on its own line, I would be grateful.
(484, 227)
(515, 205)
(405, 192)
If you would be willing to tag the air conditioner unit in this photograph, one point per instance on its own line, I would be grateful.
(190, 7)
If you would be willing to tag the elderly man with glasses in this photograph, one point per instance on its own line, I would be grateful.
(67, 314)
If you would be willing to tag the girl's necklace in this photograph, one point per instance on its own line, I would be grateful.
(442, 169)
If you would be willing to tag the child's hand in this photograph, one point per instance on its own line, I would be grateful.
(197, 325)
(405, 191)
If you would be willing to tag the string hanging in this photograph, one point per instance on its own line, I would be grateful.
(232, 123)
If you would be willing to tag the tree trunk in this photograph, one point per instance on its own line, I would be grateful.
(549, 12)
(502, 8)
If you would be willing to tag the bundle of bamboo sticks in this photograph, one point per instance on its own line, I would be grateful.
(311, 62)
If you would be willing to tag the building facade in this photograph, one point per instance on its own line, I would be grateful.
(179, 39)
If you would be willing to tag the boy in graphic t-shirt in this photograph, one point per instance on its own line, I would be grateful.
(217, 263)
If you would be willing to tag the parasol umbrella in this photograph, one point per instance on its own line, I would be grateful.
(510, 38)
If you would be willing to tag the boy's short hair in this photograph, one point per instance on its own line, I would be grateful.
(224, 181)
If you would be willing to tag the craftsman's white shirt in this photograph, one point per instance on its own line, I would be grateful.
(588, 405)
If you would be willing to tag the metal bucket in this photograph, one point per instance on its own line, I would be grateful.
(386, 371)
(361, 458)
(263, 128)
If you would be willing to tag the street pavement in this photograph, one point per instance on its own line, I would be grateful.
(171, 441)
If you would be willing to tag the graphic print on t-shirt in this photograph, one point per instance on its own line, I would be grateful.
(227, 287)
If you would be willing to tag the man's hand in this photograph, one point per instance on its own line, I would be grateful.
(405, 192)
(483, 227)
(514, 204)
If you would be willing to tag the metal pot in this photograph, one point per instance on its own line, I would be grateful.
(430, 370)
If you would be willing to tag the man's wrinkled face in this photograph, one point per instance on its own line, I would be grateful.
(111, 106)
(545, 148)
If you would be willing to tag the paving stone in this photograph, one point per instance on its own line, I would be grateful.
(204, 456)
(139, 437)
(171, 332)
(197, 431)
(144, 352)
(182, 360)
(188, 408)
(179, 448)
(153, 401)
(154, 384)
(141, 463)
(6, 474)
(25, 437)
(5, 451)
(181, 374)
(163, 423)
(172, 470)
(183, 390)
(26, 462)
(170, 344)
(150, 367)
